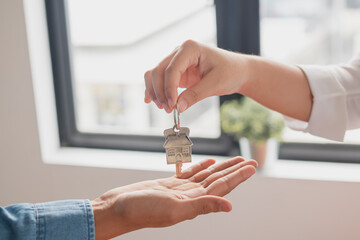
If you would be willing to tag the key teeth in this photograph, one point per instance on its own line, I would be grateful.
(178, 169)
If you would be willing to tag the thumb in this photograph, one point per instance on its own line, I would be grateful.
(204, 205)
(203, 89)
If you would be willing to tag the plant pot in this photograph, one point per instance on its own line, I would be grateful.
(258, 152)
(264, 153)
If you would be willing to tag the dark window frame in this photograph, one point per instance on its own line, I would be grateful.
(70, 136)
(238, 29)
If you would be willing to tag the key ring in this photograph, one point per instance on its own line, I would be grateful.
(177, 119)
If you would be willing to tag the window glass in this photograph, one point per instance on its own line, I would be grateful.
(311, 32)
(112, 44)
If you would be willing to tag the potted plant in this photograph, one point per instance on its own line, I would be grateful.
(247, 118)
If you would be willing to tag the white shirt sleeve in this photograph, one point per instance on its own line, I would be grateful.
(336, 103)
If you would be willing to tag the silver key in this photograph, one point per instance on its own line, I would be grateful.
(177, 144)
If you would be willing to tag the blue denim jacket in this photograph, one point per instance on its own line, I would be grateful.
(69, 219)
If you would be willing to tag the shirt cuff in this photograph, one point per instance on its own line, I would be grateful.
(328, 116)
(68, 219)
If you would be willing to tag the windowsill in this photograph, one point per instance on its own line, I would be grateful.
(306, 170)
(120, 159)
(152, 161)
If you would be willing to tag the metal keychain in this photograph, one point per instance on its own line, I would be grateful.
(177, 144)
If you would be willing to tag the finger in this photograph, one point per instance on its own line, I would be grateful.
(147, 98)
(194, 169)
(187, 56)
(213, 177)
(202, 205)
(206, 87)
(157, 77)
(190, 77)
(226, 184)
(149, 88)
(201, 175)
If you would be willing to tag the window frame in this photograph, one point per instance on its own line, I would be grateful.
(69, 135)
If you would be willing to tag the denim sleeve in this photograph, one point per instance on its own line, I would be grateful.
(69, 219)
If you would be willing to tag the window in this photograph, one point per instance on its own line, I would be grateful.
(111, 52)
(100, 51)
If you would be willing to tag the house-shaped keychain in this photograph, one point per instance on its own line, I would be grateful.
(177, 145)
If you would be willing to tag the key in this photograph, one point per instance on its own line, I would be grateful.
(177, 144)
(178, 147)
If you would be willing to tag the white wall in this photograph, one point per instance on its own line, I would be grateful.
(263, 207)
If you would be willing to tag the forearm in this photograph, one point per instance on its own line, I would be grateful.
(283, 88)
(68, 219)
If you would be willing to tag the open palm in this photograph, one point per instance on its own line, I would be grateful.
(167, 201)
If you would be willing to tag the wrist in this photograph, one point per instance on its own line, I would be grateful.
(100, 218)
(108, 223)
(249, 74)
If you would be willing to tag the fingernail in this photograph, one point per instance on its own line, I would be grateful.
(170, 103)
(157, 103)
(249, 172)
(182, 105)
(224, 207)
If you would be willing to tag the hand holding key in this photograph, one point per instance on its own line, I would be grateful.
(165, 202)
(207, 71)
(204, 71)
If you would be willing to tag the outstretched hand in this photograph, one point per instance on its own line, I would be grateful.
(165, 202)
